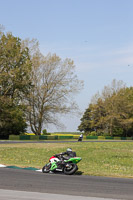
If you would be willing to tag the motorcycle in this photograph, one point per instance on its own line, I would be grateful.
(80, 139)
(63, 164)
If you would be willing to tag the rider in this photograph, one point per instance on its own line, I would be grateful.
(80, 137)
(68, 154)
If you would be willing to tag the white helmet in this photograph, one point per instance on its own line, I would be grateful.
(69, 149)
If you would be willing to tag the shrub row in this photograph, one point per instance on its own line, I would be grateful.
(39, 137)
(109, 138)
(61, 137)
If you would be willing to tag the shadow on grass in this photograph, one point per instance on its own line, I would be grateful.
(79, 173)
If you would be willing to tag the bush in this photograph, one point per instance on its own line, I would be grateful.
(105, 134)
(44, 132)
(94, 133)
(117, 131)
(99, 133)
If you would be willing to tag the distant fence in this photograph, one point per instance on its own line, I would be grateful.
(61, 137)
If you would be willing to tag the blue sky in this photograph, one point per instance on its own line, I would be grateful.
(96, 34)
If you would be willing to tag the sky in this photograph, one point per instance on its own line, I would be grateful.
(96, 34)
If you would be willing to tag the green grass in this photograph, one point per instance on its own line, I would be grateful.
(114, 159)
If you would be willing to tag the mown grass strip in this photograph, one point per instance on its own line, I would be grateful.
(114, 159)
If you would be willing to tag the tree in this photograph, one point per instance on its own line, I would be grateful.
(125, 110)
(55, 83)
(112, 111)
(86, 121)
(93, 118)
(119, 111)
(12, 119)
(15, 66)
(108, 102)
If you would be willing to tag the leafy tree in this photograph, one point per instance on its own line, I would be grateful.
(112, 112)
(125, 110)
(119, 111)
(12, 120)
(15, 66)
(93, 118)
(86, 121)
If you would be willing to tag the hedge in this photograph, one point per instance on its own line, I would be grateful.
(91, 137)
(14, 137)
(24, 137)
(65, 137)
(109, 137)
(34, 137)
(117, 138)
(101, 137)
(42, 137)
(61, 137)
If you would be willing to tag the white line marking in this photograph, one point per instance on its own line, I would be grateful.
(2, 165)
(39, 170)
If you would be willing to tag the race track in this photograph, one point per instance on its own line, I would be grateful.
(59, 184)
(59, 141)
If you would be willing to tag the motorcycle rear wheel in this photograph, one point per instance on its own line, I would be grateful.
(46, 168)
(70, 170)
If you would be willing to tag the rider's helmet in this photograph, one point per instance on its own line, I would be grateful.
(69, 149)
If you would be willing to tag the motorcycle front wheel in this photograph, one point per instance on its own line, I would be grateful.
(46, 168)
(70, 169)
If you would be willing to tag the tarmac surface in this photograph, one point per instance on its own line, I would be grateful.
(22, 195)
(27, 184)
(58, 141)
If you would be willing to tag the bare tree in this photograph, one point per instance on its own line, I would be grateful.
(54, 84)
(108, 91)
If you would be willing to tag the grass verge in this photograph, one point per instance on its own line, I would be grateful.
(98, 159)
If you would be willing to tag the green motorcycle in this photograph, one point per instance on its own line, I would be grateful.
(63, 164)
